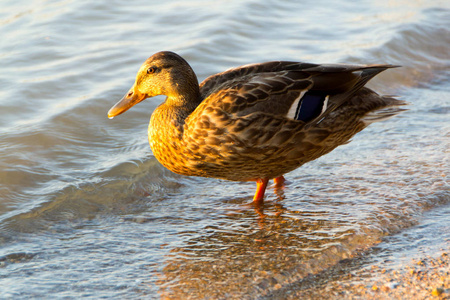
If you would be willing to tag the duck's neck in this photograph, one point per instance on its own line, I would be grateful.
(167, 121)
(181, 107)
(166, 130)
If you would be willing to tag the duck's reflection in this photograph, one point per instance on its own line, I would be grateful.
(253, 251)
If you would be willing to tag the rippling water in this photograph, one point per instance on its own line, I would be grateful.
(87, 211)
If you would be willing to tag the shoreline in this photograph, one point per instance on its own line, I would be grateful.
(412, 264)
(424, 278)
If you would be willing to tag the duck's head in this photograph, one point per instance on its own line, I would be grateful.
(164, 73)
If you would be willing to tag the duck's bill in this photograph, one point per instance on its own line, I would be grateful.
(130, 99)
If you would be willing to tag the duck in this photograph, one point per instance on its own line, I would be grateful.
(255, 122)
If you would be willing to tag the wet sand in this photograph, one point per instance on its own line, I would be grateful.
(424, 278)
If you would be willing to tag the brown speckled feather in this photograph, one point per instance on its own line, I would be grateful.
(246, 123)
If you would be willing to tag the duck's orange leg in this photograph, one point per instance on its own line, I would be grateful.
(261, 185)
(279, 181)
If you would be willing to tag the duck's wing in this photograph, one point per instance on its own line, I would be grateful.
(347, 80)
(299, 91)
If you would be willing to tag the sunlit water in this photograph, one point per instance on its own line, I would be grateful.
(87, 211)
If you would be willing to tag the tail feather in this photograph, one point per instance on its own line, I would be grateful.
(392, 109)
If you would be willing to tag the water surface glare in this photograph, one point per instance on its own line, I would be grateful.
(86, 211)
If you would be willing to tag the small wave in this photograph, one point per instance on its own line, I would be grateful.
(126, 188)
(420, 48)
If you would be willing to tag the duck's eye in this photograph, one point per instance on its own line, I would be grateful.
(151, 70)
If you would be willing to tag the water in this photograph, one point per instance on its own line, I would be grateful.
(87, 211)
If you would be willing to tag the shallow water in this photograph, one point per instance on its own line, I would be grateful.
(87, 211)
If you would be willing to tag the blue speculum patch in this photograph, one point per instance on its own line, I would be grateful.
(310, 106)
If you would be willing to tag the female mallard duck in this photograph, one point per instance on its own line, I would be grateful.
(255, 122)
